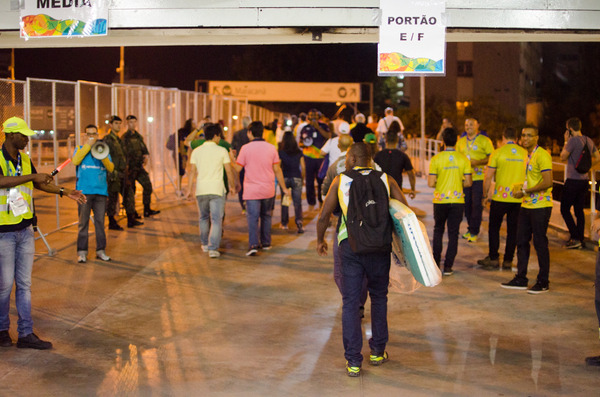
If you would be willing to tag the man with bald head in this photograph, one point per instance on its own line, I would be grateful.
(355, 266)
(534, 215)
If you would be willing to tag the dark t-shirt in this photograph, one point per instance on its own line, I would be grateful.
(393, 162)
(25, 222)
(575, 146)
(290, 165)
(240, 138)
(358, 133)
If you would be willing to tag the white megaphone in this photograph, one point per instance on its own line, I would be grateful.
(100, 150)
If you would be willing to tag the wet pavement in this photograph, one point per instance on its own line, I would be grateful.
(164, 319)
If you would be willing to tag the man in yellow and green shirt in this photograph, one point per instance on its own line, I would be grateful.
(478, 148)
(507, 168)
(449, 172)
(534, 215)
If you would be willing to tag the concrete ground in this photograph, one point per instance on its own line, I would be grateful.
(163, 319)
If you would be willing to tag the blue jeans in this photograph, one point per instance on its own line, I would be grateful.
(295, 184)
(96, 203)
(211, 208)
(337, 272)
(16, 262)
(259, 210)
(376, 267)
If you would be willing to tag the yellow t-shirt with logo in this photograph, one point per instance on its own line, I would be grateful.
(450, 167)
(477, 148)
(539, 161)
(509, 161)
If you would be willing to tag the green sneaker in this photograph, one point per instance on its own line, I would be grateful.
(378, 359)
(353, 372)
(466, 235)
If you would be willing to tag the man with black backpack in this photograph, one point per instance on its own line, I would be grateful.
(365, 236)
(580, 153)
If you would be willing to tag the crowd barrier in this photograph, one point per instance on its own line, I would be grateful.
(60, 110)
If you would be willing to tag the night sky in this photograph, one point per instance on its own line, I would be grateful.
(180, 66)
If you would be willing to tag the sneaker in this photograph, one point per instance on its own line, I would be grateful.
(489, 264)
(447, 272)
(214, 254)
(252, 252)
(81, 257)
(593, 361)
(204, 248)
(5, 340)
(265, 247)
(466, 235)
(506, 265)
(472, 238)
(283, 227)
(102, 256)
(573, 244)
(352, 372)
(300, 229)
(515, 283)
(378, 359)
(32, 341)
(538, 288)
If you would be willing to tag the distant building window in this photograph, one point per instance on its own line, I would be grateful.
(465, 69)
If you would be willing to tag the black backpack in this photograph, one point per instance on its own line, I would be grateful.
(368, 220)
(584, 163)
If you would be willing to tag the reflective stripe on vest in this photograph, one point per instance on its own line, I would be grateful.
(26, 189)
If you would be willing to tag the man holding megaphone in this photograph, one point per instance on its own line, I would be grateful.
(93, 161)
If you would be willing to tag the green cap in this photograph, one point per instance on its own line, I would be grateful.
(370, 138)
(15, 124)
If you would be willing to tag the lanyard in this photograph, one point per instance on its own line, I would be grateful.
(18, 170)
(529, 159)
(470, 147)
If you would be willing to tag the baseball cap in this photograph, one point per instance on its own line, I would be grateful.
(16, 124)
(344, 128)
(370, 138)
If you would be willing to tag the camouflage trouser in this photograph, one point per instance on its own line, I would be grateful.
(112, 207)
(143, 178)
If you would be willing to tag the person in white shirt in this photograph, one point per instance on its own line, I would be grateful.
(331, 146)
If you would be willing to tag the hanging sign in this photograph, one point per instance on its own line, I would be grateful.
(412, 37)
(64, 18)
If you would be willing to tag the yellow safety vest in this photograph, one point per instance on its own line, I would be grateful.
(26, 189)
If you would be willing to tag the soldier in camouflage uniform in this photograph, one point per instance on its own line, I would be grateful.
(117, 181)
(137, 153)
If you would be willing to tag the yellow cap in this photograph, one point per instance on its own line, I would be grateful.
(15, 124)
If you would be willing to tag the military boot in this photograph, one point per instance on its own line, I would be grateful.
(132, 222)
(149, 212)
(112, 224)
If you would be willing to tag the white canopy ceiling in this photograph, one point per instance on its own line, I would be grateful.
(238, 22)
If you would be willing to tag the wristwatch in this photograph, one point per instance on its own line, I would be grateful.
(61, 191)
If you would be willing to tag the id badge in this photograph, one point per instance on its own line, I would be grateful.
(17, 203)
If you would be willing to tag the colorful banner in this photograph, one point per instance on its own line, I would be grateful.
(412, 38)
(65, 18)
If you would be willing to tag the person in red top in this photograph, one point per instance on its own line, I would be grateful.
(260, 161)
